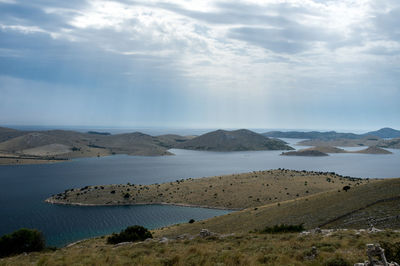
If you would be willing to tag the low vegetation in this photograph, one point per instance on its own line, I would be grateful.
(237, 249)
(130, 234)
(22, 240)
(283, 228)
(236, 191)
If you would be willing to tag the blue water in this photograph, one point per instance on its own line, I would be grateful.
(23, 188)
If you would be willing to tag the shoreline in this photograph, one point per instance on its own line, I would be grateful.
(49, 201)
(14, 160)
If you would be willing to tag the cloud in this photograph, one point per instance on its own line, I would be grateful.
(223, 53)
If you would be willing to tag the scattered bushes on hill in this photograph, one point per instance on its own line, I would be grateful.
(22, 240)
(283, 228)
(130, 234)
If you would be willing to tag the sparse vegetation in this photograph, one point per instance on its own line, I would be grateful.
(238, 249)
(234, 191)
(283, 228)
(130, 234)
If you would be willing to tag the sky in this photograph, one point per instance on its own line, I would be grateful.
(314, 64)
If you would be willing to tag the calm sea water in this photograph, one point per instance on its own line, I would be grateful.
(24, 188)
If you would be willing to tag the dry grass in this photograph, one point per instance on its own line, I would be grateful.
(237, 191)
(313, 211)
(239, 249)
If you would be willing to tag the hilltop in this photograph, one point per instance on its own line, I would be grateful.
(386, 132)
(237, 140)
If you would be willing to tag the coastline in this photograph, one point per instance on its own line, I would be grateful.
(50, 201)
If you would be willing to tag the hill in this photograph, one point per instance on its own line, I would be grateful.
(237, 140)
(324, 150)
(47, 146)
(330, 135)
(317, 210)
(365, 141)
(390, 143)
(9, 133)
(235, 191)
(386, 132)
(316, 151)
(333, 135)
(374, 150)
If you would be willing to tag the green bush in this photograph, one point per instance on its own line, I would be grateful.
(130, 234)
(392, 251)
(337, 262)
(22, 240)
(283, 228)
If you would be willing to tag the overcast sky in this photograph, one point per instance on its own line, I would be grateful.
(214, 64)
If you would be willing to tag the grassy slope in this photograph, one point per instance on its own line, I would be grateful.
(239, 249)
(315, 210)
(235, 191)
(244, 248)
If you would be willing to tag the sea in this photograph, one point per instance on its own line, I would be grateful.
(23, 188)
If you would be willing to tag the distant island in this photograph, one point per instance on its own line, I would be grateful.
(333, 135)
(237, 140)
(366, 141)
(325, 150)
(383, 138)
(22, 147)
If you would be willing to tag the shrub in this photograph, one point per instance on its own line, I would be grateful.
(22, 240)
(345, 188)
(191, 221)
(392, 251)
(283, 228)
(130, 234)
(337, 262)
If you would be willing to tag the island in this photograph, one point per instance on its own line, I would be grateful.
(27, 147)
(325, 150)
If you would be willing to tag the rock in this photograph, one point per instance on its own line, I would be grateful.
(164, 240)
(373, 230)
(122, 244)
(184, 236)
(376, 257)
(205, 233)
(312, 255)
